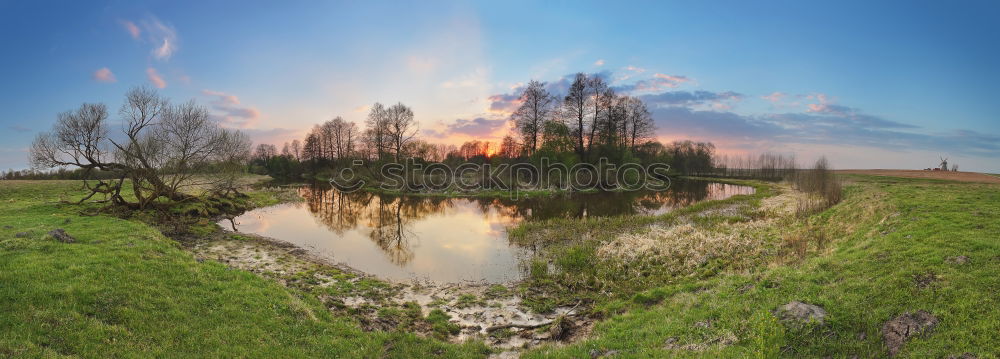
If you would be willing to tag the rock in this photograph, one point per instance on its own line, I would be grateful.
(595, 353)
(800, 313)
(8, 227)
(900, 329)
(707, 323)
(958, 260)
(60, 235)
(20, 234)
(962, 356)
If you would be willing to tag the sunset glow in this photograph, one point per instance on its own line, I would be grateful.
(460, 65)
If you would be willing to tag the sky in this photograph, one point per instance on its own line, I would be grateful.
(888, 84)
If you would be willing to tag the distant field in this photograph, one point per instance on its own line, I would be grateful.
(945, 175)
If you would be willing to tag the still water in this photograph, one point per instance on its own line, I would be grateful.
(444, 240)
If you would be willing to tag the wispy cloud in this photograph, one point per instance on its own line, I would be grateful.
(131, 28)
(155, 78)
(229, 111)
(599, 62)
(104, 75)
(18, 128)
(775, 97)
(688, 98)
(657, 83)
(812, 128)
(162, 36)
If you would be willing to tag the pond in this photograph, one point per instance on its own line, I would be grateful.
(444, 240)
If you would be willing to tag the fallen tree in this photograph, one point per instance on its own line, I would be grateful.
(161, 149)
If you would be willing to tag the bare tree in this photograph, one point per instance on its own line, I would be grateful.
(600, 100)
(376, 137)
(639, 122)
(297, 149)
(575, 108)
(286, 150)
(400, 129)
(509, 148)
(536, 108)
(162, 148)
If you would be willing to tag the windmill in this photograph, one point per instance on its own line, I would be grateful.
(944, 164)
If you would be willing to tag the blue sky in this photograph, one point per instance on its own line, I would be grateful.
(883, 85)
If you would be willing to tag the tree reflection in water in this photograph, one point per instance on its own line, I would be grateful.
(388, 220)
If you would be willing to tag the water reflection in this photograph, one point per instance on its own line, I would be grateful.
(444, 239)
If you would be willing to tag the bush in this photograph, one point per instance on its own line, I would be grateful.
(821, 182)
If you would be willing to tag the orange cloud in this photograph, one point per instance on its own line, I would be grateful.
(104, 75)
(131, 28)
(155, 78)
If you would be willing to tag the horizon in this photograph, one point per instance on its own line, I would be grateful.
(863, 84)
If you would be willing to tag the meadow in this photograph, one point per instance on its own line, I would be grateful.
(703, 281)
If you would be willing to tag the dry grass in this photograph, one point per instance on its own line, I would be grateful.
(686, 246)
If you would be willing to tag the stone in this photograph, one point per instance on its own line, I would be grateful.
(801, 313)
(595, 353)
(20, 234)
(900, 329)
(60, 235)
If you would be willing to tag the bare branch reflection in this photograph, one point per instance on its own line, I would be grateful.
(388, 220)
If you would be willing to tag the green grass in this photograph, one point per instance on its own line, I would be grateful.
(124, 290)
(885, 235)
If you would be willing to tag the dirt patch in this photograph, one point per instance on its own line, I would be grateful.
(943, 175)
(900, 329)
(925, 280)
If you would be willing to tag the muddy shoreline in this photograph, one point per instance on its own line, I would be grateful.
(489, 312)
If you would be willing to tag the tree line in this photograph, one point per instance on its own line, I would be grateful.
(588, 122)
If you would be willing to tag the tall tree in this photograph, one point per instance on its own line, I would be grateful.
(401, 129)
(536, 108)
(575, 108)
(297, 149)
(376, 132)
(599, 94)
(639, 124)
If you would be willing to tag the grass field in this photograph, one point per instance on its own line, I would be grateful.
(125, 290)
(890, 249)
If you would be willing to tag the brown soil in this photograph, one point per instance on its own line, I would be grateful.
(945, 175)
